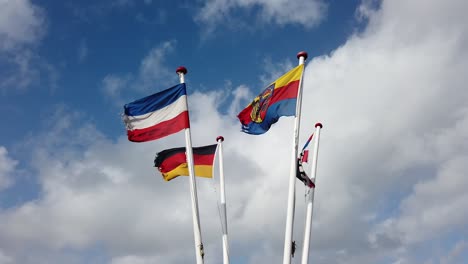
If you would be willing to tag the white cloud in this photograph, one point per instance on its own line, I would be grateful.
(455, 253)
(21, 22)
(25, 68)
(392, 159)
(7, 166)
(151, 70)
(112, 85)
(140, 260)
(438, 204)
(395, 116)
(22, 27)
(4, 259)
(20, 71)
(307, 13)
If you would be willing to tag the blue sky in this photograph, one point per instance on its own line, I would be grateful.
(81, 43)
(386, 78)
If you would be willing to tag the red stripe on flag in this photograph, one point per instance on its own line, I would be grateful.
(175, 160)
(203, 159)
(305, 158)
(244, 115)
(289, 91)
(160, 130)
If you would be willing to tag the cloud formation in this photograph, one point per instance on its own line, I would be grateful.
(307, 13)
(151, 70)
(391, 171)
(7, 167)
(21, 23)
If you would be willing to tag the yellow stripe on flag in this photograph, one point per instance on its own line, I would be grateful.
(205, 171)
(293, 75)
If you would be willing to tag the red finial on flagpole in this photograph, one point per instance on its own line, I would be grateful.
(318, 125)
(181, 69)
(302, 54)
(220, 138)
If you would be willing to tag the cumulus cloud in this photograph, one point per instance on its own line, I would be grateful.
(113, 85)
(21, 23)
(22, 26)
(4, 259)
(151, 70)
(307, 13)
(7, 167)
(80, 191)
(455, 254)
(390, 177)
(19, 70)
(380, 93)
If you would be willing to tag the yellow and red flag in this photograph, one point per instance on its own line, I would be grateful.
(278, 99)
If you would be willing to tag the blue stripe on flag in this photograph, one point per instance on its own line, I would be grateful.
(155, 101)
(308, 141)
(285, 107)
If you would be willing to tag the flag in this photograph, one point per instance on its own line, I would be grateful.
(305, 156)
(173, 162)
(304, 152)
(302, 176)
(300, 173)
(278, 99)
(307, 142)
(158, 115)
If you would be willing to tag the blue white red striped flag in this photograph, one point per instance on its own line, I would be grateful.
(305, 152)
(158, 115)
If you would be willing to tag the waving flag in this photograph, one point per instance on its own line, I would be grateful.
(157, 115)
(304, 151)
(173, 162)
(300, 173)
(278, 99)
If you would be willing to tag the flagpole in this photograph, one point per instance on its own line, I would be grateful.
(220, 140)
(302, 56)
(199, 252)
(310, 198)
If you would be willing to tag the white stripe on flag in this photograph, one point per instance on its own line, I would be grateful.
(156, 117)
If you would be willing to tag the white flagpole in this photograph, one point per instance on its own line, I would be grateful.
(199, 252)
(220, 140)
(310, 198)
(302, 56)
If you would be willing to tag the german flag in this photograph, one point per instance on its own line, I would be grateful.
(173, 162)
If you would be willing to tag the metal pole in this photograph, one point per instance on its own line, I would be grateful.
(302, 56)
(220, 140)
(310, 198)
(199, 252)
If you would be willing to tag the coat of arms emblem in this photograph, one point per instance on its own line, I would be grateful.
(260, 104)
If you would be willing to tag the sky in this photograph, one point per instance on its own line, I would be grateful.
(387, 79)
